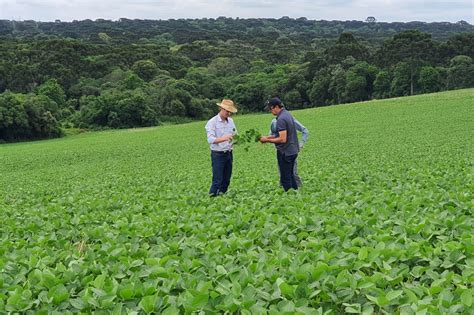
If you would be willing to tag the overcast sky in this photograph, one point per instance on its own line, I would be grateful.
(382, 10)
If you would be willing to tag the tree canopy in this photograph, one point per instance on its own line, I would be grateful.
(131, 73)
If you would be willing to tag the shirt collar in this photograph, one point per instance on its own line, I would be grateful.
(283, 109)
(219, 118)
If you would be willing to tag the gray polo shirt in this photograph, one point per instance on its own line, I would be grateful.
(286, 122)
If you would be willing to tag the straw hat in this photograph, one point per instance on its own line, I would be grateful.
(228, 105)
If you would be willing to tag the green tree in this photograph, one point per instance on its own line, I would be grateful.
(165, 39)
(131, 82)
(360, 82)
(201, 108)
(42, 122)
(173, 102)
(346, 46)
(85, 86)
(145, 69)
(413, 48)
(382, 84)
(337, 84)
(319, 92)
(106, 38)
(24, 117)
(293, 99)
(13, 117)
(200, 51)
(208, 85)
(314, 62)
(117, 109)
(429, 80)
(250, 95)
(225, 66)
(54, 91)
(402, 78)
(461, 73)
(132, 110)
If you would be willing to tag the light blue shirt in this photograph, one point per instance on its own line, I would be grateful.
(217, 127)
(299, 127)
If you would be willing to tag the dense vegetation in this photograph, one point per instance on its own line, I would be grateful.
(119, 222)
(131, 73)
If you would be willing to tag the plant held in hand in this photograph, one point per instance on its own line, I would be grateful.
(249, 136)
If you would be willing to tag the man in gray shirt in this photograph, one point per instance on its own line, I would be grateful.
(304, 137)
(286, 143)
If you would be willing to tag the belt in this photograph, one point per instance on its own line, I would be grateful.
(221, 152)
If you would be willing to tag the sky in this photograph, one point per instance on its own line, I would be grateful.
(382, 10)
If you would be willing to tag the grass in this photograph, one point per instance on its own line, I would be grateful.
(120, 221)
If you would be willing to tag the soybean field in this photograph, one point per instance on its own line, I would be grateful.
(119, 222)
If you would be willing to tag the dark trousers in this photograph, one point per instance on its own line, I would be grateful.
(221, 172)
(286, 164)
(299, 182)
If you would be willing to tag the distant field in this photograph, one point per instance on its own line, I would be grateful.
(120, 221)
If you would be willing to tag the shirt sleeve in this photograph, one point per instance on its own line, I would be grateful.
(211, 131)
(305, 132)
(234, 128)
(273, 128)
(281, 125)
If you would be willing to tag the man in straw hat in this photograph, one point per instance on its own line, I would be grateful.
(220, 131)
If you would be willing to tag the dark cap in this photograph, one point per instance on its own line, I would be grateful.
(273, 102)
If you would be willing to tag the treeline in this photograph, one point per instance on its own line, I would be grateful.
(48, 84)
(259, 31)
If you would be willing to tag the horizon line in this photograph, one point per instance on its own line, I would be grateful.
(58, 20)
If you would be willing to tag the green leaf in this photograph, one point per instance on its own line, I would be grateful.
(221, 270)
(355, 308)
(170, 310)
(386, 266)
(314, 293)
(148, 303)
(127, 292)
(136, 263)
(466, 297)
(99, 281)
(302, 291)
(78, 304)
(59, 294)
(48, 279)
(365, 284)
(159, 272)
(107, 301)
(197, 301)
(117, 309)
(411, 295)
(363, 253)
(372, 298)
(14, 299)
(368, 309)
(287, 290)
(392, 295)
(318, 270)
(381, 300)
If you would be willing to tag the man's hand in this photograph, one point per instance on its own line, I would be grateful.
(263, 139)
(228, 137)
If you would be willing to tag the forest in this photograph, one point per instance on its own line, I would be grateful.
(60, 76)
